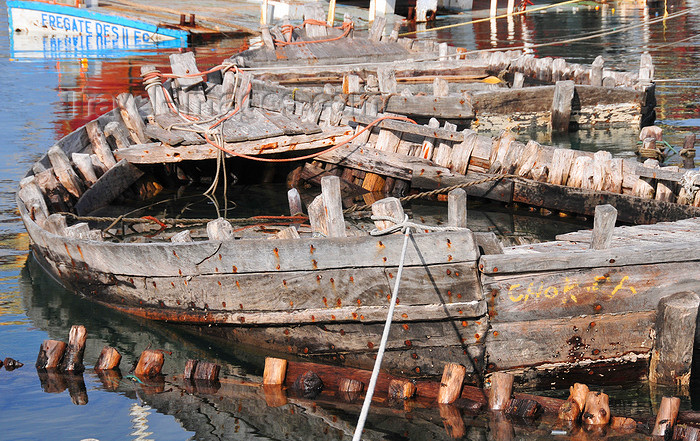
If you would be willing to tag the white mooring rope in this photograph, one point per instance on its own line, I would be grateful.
(382, 346)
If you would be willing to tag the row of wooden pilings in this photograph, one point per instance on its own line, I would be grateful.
(584, 409)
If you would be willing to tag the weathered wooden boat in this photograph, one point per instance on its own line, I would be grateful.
(321, 290)
(114, 25)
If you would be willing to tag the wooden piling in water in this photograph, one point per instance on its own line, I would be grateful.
(451, 384)
(666, 417)
(150, 363)
(275, 371)
(603, 226)
(672, 355)
(73, 358)
(50, 354)
(109, 359)
(596, 411)
(501, 390)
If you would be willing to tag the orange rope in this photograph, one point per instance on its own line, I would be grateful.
(287, 31)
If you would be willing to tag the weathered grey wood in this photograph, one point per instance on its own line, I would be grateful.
(131, 117)
(632, 255)
(561, 106)
(99, 144)
(646, 68)
(332, 202)
(168, 137)
(672, 355)
(59, 199)
(442, 154)
(457, 208)
(426, 150)
(184, 64)
(377, 29)
(488, 243)
(182, 237)
(351, 84)
(562, 160)
(407, 127)
(220, 230)
(56, 224)
(30, 194)
(603, 226)
(155, 153)
(118, 131)
(518, 80)
(243, 92)
(64, 171)
(168, 120)
(596, 75)
(84, 165)
(387, 79)
(294, 200)
(108, 187)
(267, 37)
(390, 207)
(288, 233)
(441, 87)
(80, 230)
(227, 90)
(155, 91)
(369, 160)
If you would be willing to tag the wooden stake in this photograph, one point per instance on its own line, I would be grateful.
(331, 13)
(688, 152)
(401, 389)
(561, 106)
(207, 371)
(578, 393)
(350, 385)
(501, 389)
(451, 384)
(219, 229)
(275, 370)
(596, 412)
(523, 408)
(50, 354)
(596, 76)
(390, 207)
(73, 359)
(109, 359)
(332, 201)
(603, 225)
(569, 411)
(457, 208)
(666, 418)
(672, 355)
(294, 199)
(150, 363)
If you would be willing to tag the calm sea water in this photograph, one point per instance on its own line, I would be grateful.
(46, 94)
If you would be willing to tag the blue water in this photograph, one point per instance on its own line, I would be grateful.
(46, 95)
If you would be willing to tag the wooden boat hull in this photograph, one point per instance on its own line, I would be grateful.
(105, 30)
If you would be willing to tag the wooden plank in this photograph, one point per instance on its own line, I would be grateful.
(185, 64)
(288, 125)
(571, 340)
(167, 120)
(168, 137)
(64, 171)
(253, 124)
(99, 144)
(313, 174)
(131, 117)
(84, 165)
(154, 153)
(369, 160)
(108, 187)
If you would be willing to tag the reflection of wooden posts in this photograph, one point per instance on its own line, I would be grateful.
(73, 359)
(76, 388)
(603, 225)
(451, 383)
(672, 355)
(110, 378)
(150, 363)
(666, 418)
(275, 370)
(274, 395)
(596, 411)
(500, 427)
(52, 382)
(452, 420)
(501, 389)
(109, 359)
(50, 354)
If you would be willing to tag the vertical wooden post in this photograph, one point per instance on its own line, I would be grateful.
(73, 359)
(154, 90)
(493, 10)
(331, 13)
(451, 384)
(207, 371)
(672, 355)
(275, 371)
(688, 152)
(578, 393)
(457, 208)
(501, 389)
(646, 68)
(401, 389)
(330, 191)
(294, 199)
(109, 359)
(50, 354)
(666, 418)
(387, 79)
(561, 105)
(596, 76)
(596, 410)
(518, 80)
(263, 12)
(190, 367)
(390, 207)
(603, 225)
